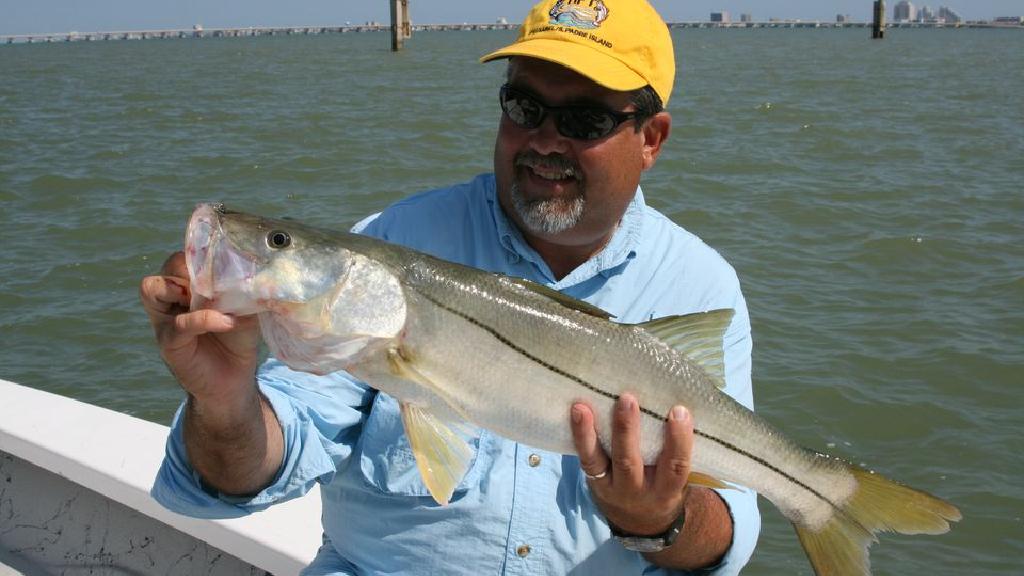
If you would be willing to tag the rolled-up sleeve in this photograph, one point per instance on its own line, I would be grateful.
(321, 418)
(746, 521)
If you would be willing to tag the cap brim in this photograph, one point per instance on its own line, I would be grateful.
(590, 62)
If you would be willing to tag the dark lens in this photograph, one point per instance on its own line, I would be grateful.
(521, 109)
(278, 240)
(586, 123)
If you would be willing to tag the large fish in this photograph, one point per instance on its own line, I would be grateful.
(457, 345)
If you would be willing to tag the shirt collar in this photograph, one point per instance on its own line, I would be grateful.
(619, 250)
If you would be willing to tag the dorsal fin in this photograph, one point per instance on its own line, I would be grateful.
(698, 337)
(563, 299)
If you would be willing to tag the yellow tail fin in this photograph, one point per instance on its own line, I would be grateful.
(840, 547)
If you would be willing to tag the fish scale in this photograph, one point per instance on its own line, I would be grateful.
(561, 380)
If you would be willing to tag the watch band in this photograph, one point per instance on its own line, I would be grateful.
(647, 544)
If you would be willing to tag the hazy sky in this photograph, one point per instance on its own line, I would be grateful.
(37, 16)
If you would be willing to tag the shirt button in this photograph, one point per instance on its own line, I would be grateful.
(523, 551)
(534, 460)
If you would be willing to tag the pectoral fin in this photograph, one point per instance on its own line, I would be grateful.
(442, 456)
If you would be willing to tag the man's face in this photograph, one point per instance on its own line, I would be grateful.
(562, 190)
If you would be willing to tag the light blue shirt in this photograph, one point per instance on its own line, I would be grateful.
(379, 517)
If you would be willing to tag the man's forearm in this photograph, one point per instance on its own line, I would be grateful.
(236, 450)
(706, 535)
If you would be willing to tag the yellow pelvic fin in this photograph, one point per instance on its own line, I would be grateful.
(442, 456)
(840, 547)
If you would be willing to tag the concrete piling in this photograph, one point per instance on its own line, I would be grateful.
(878, 26)
(401, 28)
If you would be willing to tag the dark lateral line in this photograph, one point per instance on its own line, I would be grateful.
(611, 396)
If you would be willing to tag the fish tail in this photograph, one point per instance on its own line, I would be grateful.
(840, 546)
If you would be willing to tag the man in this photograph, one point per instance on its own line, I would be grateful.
(582, 119)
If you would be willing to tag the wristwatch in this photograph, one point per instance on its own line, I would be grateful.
(648, 544)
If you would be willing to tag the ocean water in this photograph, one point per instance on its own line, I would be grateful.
(868, 193)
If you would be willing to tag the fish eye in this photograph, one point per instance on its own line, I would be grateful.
(278, 239)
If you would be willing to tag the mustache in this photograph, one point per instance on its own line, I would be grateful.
(556, 161)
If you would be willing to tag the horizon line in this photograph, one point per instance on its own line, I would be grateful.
(373, 26)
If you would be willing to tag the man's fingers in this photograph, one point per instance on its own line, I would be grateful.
(203, 321)
(593, 460)
(676, 454)
(175, 266)
(627, 462)
(168, 292)
(162, 294)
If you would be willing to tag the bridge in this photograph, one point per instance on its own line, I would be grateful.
(200, 32)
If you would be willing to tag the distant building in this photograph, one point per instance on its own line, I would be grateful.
(904, 12)
(1019, 20)
(949, 15)
(925, 14)
(746, 18)
(843, 18)
(722, 17)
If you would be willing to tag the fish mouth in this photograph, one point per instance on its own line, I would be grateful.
(220, 273)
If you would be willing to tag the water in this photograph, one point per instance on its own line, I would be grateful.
(868, 193)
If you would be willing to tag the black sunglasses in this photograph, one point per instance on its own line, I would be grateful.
(577, 122)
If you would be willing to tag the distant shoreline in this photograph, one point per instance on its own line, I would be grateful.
(200, 32)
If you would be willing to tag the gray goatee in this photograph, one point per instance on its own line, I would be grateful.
(548, 215)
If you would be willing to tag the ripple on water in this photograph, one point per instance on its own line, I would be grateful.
(53, 189)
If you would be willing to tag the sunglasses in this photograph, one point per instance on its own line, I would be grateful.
(578, 122)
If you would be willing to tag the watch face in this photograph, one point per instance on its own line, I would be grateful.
(638, 544)
(647, 544)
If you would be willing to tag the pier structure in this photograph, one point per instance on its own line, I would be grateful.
(401, 26)
(199, 32)
(878, 26)
(821, 24)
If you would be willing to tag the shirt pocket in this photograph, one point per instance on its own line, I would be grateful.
(386, 459)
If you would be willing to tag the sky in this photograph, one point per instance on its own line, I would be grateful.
(43, 16)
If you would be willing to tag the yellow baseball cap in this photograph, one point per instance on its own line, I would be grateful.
(620, 44)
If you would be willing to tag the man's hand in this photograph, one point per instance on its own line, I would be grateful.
(645, 500)
(212, 355)
(231, 433)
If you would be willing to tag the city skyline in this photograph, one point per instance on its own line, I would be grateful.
(54, 16)
(906, 11)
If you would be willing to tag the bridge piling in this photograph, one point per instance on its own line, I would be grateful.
(878, 26)
(401, 29)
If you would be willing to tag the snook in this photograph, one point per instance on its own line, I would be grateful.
(454, 344)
